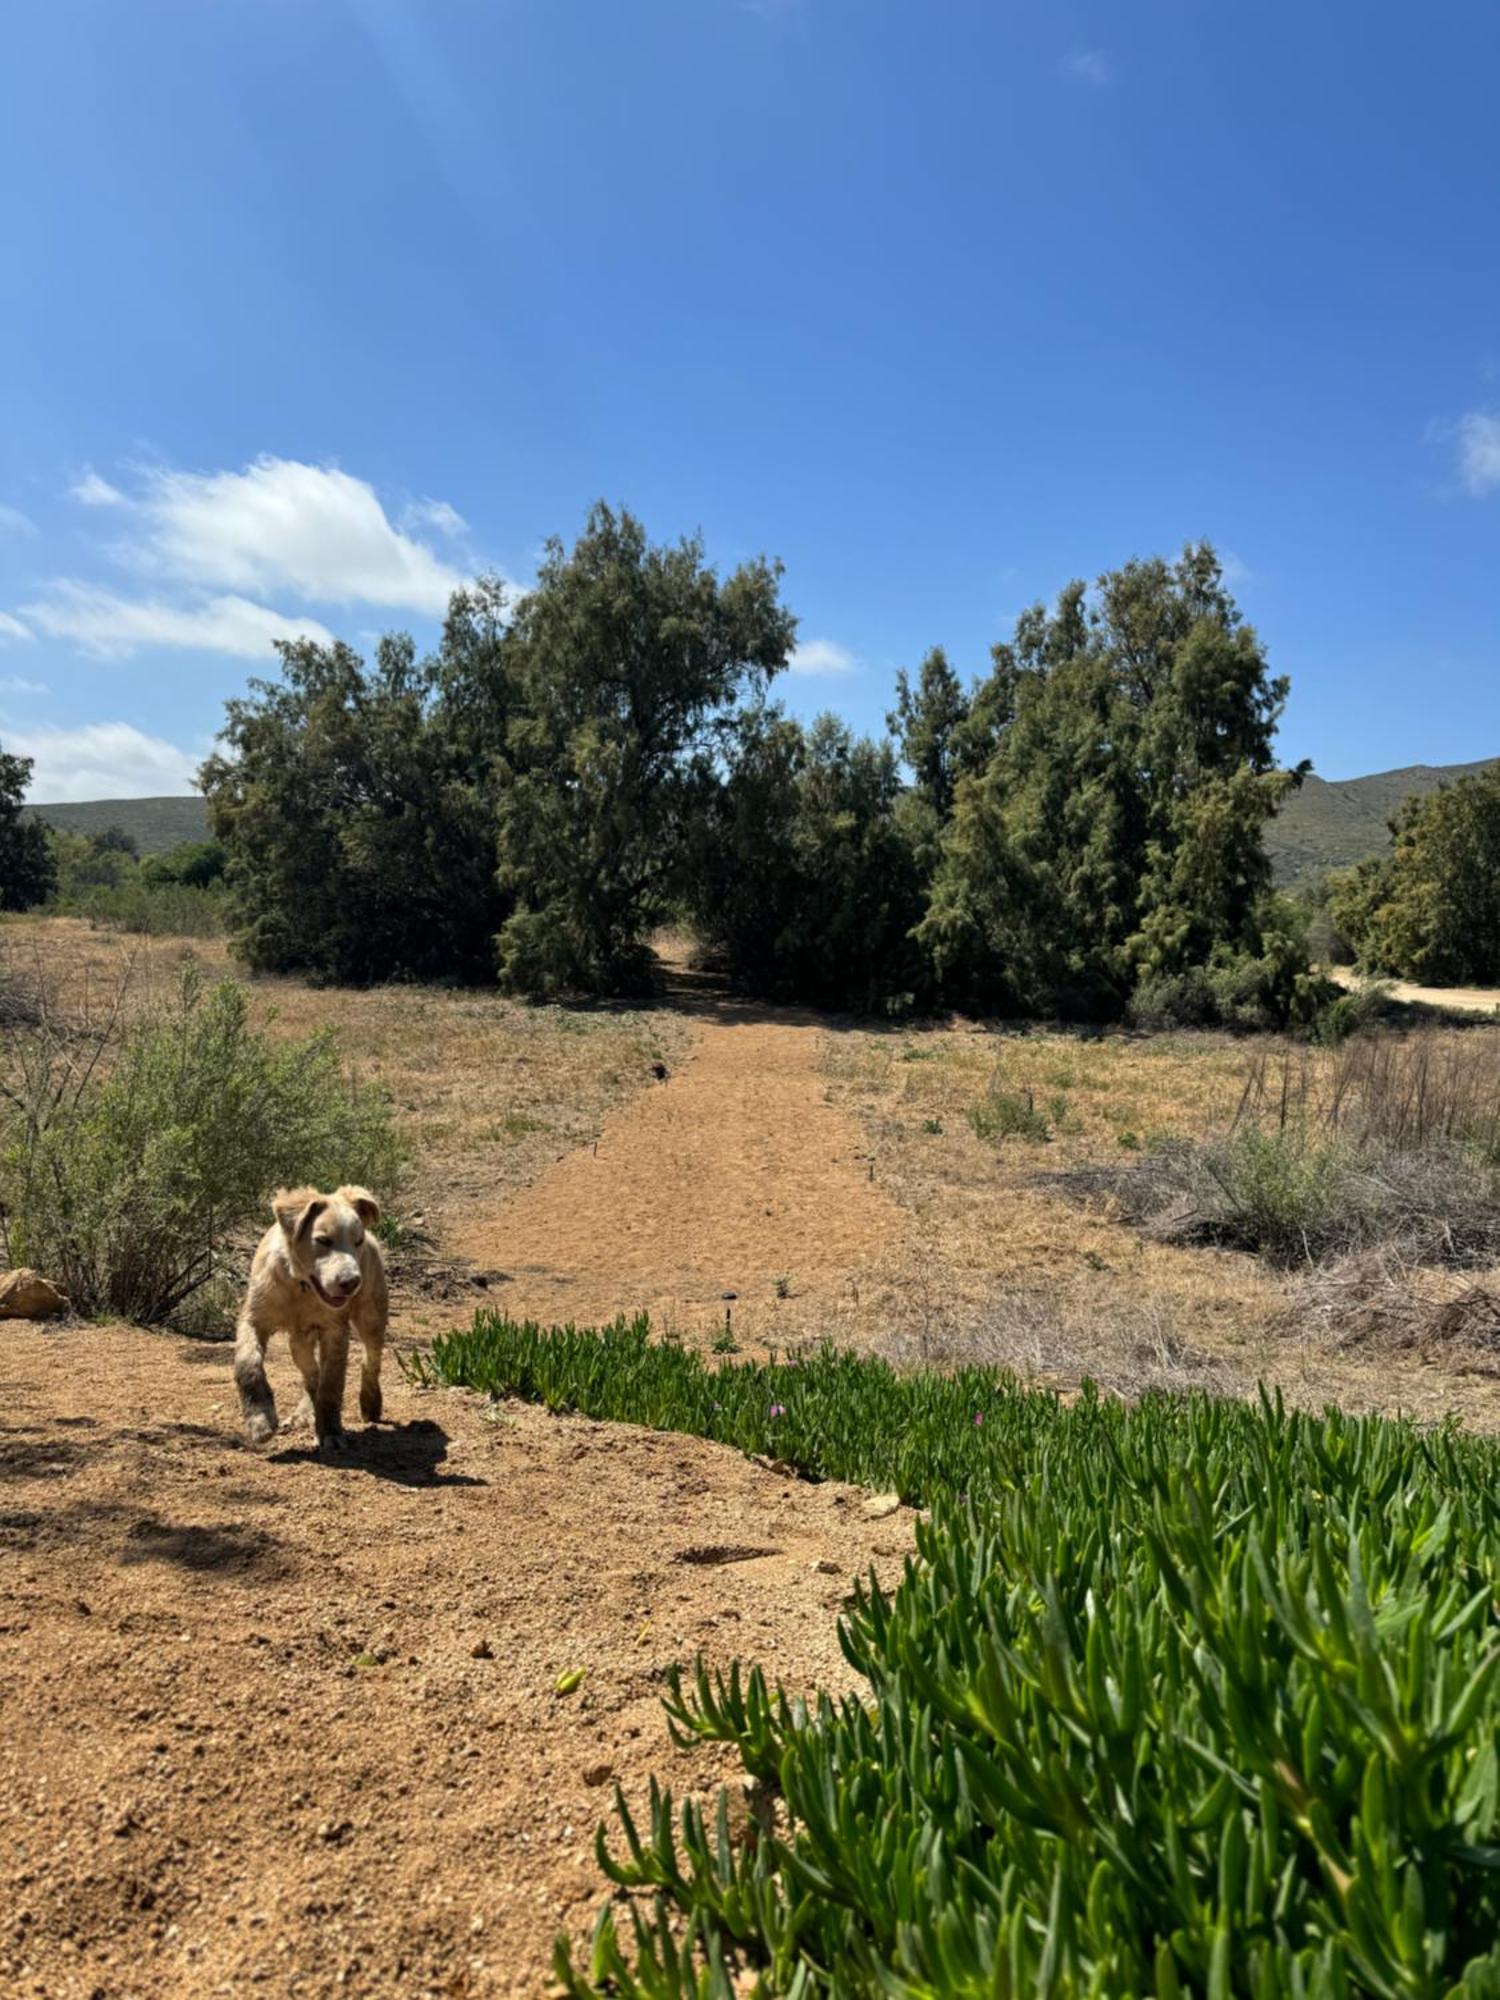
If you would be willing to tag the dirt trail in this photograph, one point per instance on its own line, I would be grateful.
(734, 1176)
(280, 1726)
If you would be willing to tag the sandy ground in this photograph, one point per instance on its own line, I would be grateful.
(732, 1185)
(1464, 999)
(281, 1726)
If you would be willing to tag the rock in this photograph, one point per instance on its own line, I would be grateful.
(28, 1295)
(481, 1650)
(826, 1566)
(598, 1774)
(882, 1505)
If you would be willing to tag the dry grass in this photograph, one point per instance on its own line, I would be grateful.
(997, 1265)
(488, 1092)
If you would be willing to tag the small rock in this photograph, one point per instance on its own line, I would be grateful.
(598, 1774)
(826, 1566)
(729, 1295)
(481, 1650)
(881, 1505)
(26, 1294)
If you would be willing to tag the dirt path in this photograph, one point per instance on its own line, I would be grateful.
(286, 1727)
(735, 1176)
(1458, 999)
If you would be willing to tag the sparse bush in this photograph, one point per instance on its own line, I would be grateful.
(1382, 1141)
(1009, 1114)
(128, 1159)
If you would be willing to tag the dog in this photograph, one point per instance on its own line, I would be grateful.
(320, 1274)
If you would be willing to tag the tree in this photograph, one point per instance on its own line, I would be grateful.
(624, 662)
(1114, 832)
(925, 723)
(357, 818)
(1430, 909)
(28, 875)
(801, 873)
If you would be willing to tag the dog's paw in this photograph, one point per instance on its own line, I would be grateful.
(260, 1426)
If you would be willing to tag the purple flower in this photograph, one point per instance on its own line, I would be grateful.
(778, 1409)
(978, 1418)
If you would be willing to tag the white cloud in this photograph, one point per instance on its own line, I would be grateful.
(437, 515)
(13, 684)
(1087, 66)
(1235, 571)
(11, 629)
(1477, 434)
(821, 656)
(14, 522)
(101, 760)
(103, 622)
(281, 526)
(92, 491)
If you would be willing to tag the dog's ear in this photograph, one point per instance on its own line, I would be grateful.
(297, 1209)
(364, 1204)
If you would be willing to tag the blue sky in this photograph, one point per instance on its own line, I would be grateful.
(314, 306)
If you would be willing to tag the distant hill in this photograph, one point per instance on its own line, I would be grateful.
(154, 824)
(1334, 824)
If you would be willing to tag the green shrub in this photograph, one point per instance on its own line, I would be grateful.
(1009, 1114)
(165, 909)
(123, 1169)
(1179, 1697)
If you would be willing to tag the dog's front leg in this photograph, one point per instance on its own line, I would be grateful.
(328, 1398)
(257, 1404)
(305, 1354)
(369, 1377)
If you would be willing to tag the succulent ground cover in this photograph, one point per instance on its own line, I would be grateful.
(1181, 1696)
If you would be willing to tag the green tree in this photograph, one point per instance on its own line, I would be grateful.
(625, 662)
(357, 818)
(1114, 832)
(803, 877)
(1430, 909)
(28, 874)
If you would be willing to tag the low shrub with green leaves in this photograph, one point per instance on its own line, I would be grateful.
(1180, 1697)
(127, 1160)
(1010, 1114)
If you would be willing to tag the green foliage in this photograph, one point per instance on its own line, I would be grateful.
(624, 659)
(1430, 909)
(27, 871)
(801, 875)
(1115, 832)
(357, 812)
(123, 1169)
(1246, 991)
(1009, 1114)
(194, 864)
(98, 877)
(1178, 1697)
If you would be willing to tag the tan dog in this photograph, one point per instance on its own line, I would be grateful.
(318, 1273)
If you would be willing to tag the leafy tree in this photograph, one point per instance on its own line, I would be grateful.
(804, 878)
(1114, 831)
(1430, 909)
(623, 663)
(115, 840)
(357, 820)
(28, 874)
(192, 864)
(925, 723)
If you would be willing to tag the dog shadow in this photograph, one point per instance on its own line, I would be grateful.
(409, 1454)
